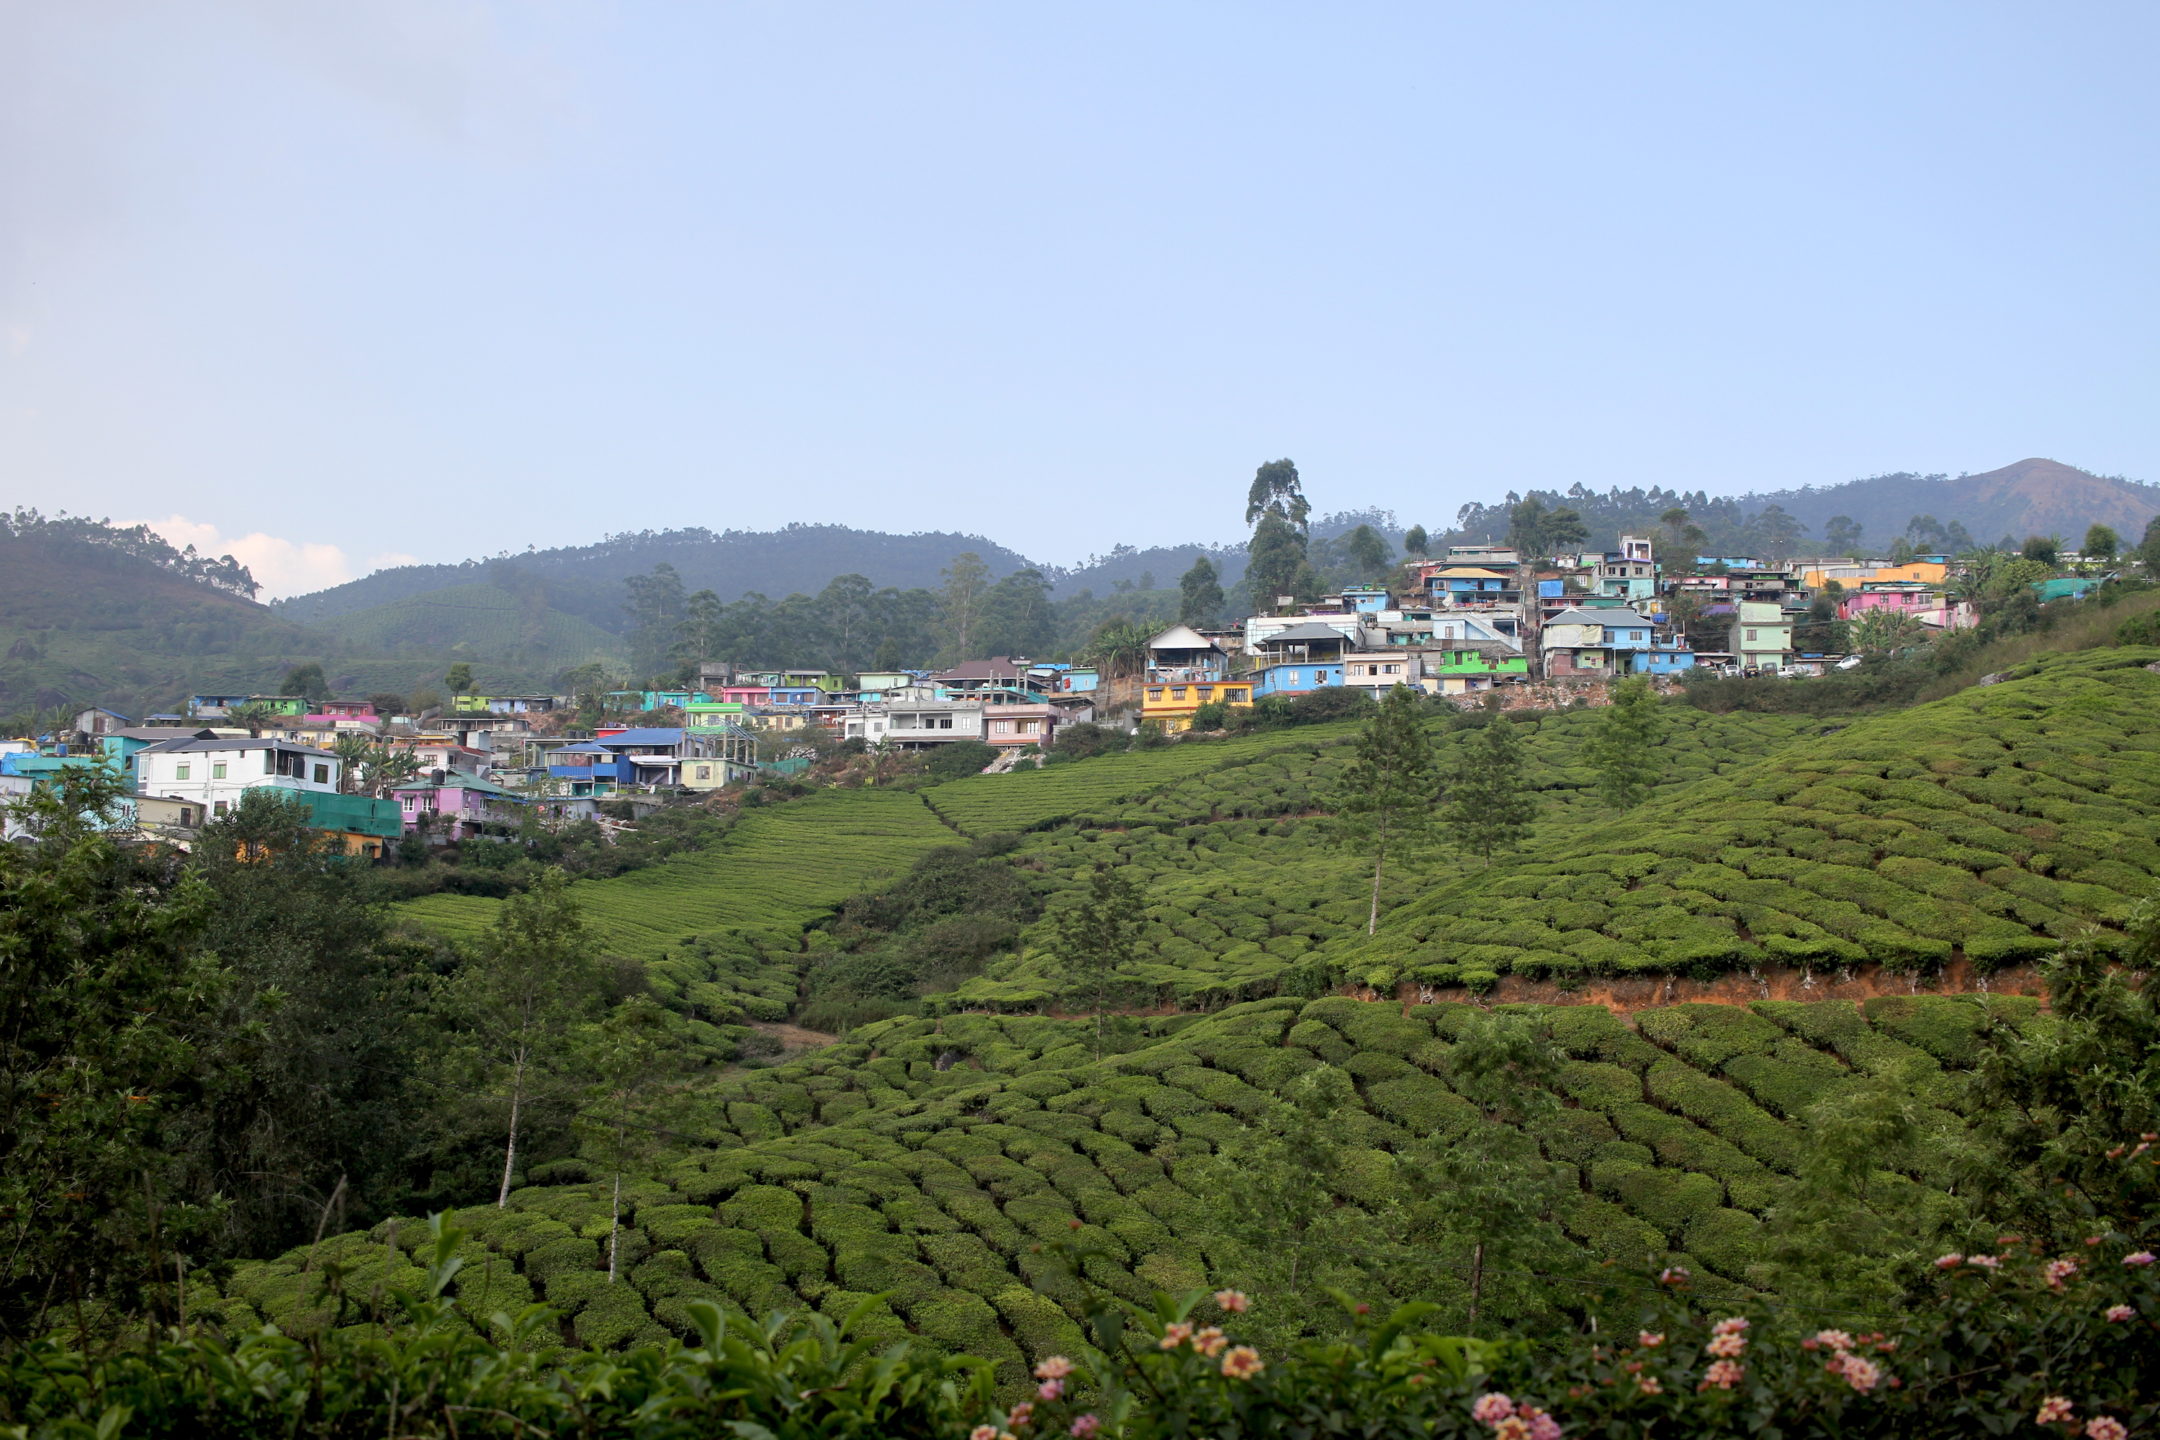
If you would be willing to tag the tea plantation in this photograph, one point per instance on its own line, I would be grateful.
(930, 1161)
(717, 928)
(1986, 827)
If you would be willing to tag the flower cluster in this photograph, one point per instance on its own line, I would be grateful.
(1511, 1421)
(2057, 1410)
(2057, 1271)
(1728, 1338)
(1242, 1363)
(1233, 1301)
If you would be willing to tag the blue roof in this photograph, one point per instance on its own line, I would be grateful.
(583, 747)
(650, 735)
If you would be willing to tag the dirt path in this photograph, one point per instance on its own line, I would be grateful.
(792, 1037)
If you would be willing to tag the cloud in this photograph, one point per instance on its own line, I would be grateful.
(284, 567)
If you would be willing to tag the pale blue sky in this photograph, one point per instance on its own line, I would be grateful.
(442, 277)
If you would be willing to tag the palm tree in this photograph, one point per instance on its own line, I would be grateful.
(1120, 648)
(1885, 632)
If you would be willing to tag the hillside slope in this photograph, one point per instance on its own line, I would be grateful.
(2029, 497)
(934, 1163)
(517, 633)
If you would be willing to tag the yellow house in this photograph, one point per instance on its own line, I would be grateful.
(1925, 572)
(1171, 703)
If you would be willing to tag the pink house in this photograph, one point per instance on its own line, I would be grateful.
(1018, 725)
(1909, 598)
(457, 807)
(745, 694)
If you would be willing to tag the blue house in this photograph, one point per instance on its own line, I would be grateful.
(1668, 657)
(1297, 677)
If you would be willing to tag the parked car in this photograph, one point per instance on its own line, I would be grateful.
(1850, 662)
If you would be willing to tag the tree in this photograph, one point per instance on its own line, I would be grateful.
(1841, 535)
(959, 759)
(1276, 490)
(306, 681)
(1775, 532)
(1622, 742)
(1485, 1196)
(967, 579)
(1884, 631)
(1098, 936)
(701, 634)
(1366, 550)
(1119, 648)
(1538, 532)
(847, 601)
(1275, 563)
(1416, 542)
(104, 987)
(1274, 1192)
(1488, 806)
(1685, 537)
(459, 680)
(1018, 619)
(622, 1058)
(312, 1061)
(1200, 593)
(534, 976)
(655, 604)
(2148, 549)
(2043, 549)
(1384, 801)
(2101, 544)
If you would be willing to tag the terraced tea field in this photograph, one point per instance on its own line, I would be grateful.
(931, 1161)
(1988, 827)
(717, 927)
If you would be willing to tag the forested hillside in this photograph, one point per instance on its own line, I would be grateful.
(958, 1163)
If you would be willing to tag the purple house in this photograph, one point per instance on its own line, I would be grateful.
(451, 806)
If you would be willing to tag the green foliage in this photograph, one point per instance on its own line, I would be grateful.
(959, 759)
(1385, 796)
(1622, 749)
(1488, 805)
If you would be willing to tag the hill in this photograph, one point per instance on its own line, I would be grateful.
(518, 633)
(587, 581)
(93, 614)
(2031, 497)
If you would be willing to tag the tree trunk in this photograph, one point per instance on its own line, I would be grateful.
(1477, 1281)
(614, 1227)
(1372, 916)
(517, 1096)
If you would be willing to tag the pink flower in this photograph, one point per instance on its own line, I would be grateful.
(1648, 1385)
(2142, 1257)
(1674, 1275)
(2053, 1410)
(1512, 1428)
(1950, 1261)
(1209, 1342)
(2057, 1271)
(1649, 1341)
(1727, 1346)
(1174, 1336)
(1492, 1408)
(1050, 1390)
(1734, 1326)
(2117, 1314)
(1985, 1262)
(983, 1432)
(1021, 1414)
(1085, 1426)
(1542, 1425)
(1233, 1301)
(1861, 1374)
(2105, 1427)
(1837, 1340)
(1723, 1374)
(1056, 1367)
(1242, 1363)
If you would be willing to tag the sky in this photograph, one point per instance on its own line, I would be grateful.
(333, 284)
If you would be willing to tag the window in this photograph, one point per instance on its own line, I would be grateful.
(217, 769)
(1751, 637)
(1155, 693)
(180, 771)
(704, 772)
(322, 774)
(219, 808)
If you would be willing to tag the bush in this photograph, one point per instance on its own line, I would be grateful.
(959, 759)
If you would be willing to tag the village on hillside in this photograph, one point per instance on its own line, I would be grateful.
(1478, 624)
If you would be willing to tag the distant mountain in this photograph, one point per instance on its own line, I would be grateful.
(2031, 497)
(516, 631)
(587, 581)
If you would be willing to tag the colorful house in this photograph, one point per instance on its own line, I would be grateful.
(1297, 677)
(451, 807)
(1467, 671)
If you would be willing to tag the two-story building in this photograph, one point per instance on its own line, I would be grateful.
(447, 807)
(1471, 669)
(215, 771)
(1761, 635)
(1185, 671)
(1593, 643)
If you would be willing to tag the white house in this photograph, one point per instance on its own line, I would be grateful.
(216, 772)
(1379, 671)
(909, 724)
